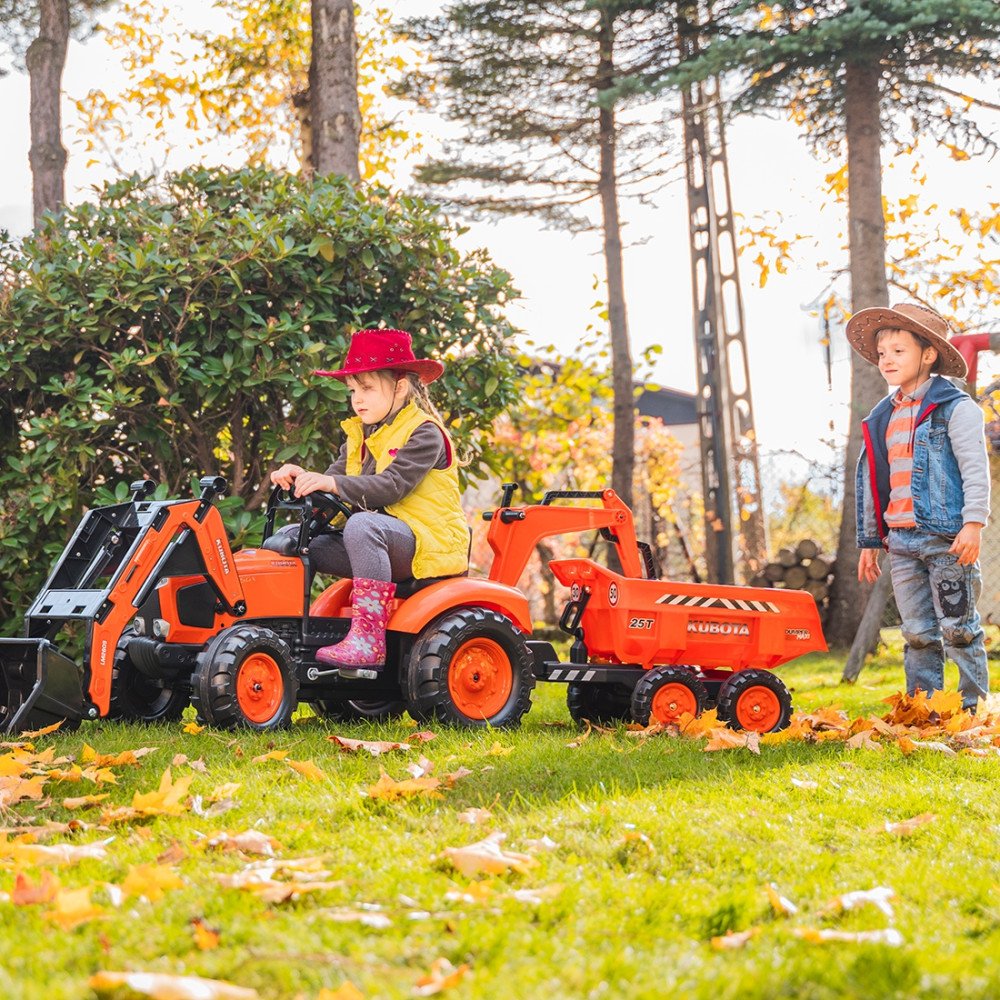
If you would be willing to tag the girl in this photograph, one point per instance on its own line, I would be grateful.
(398, 467)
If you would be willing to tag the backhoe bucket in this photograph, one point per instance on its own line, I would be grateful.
(38, 686)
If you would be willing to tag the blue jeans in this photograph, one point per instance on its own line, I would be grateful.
(937, 603)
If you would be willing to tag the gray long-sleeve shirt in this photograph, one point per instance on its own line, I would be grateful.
(424, 450)
(967, 434)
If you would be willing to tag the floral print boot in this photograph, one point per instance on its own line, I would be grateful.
(361, 653)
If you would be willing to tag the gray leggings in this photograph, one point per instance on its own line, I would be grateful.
(371, 547)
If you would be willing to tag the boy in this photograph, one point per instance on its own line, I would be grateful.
(923, 493)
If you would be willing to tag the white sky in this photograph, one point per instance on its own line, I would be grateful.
(771, 171)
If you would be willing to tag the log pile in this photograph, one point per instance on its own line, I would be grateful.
(801, 568)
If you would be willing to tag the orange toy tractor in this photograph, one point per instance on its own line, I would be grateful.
(173, 616)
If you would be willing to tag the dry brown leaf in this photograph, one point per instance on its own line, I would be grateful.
(908, 826)
(375, 747)
(424, 736)
(307, 768)
(249, 842)
(369, 918)
(734, 939)
(474, 816)
(14, 789)
(727, 739)
(150, 881)
(205, 938)
(815, 935)
(390, 790)
(82, 801)
(90, 756)
(442, 976)
(55, 854)
(34, 734)
(906, 745)
(453, 776)
(161, 986)
(26, 893)
(174, 854)
(804, 784)
(588, 729)
(864, 741)
(487, 855)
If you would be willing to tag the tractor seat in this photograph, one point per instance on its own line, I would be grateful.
(407, 588)
(283, 543)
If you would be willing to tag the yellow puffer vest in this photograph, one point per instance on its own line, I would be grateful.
(433, 510)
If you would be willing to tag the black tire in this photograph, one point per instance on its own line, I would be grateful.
(138, 698)
(646, 707)
(432, 669)
(216, 688)
(601, 704)
(738, 684)
(358, 710)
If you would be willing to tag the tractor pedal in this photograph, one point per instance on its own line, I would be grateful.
(359, 674)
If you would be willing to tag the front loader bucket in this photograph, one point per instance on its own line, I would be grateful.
(38, 686)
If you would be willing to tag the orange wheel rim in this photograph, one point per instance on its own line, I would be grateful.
(758, 708)
(671, 701)
(480, 678)
(259, 687)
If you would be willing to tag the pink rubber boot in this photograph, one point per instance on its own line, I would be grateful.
(362, 651)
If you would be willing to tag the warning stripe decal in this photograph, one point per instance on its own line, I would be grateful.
(696, 601)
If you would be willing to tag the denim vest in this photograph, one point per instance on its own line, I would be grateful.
(936, 484)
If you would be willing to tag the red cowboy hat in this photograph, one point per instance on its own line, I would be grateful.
(377, 350)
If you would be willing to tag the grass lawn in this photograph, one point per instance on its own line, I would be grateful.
(659, 846)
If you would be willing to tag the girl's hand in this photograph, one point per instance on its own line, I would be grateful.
(284, 476)
(312, 482)
(967, 542)
(868, 568)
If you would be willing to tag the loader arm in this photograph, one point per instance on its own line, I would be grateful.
(515, 531)
(142, 569)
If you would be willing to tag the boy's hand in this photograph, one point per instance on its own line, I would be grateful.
(868, 567)
(284, 476)
(312, 482)
(967, 543)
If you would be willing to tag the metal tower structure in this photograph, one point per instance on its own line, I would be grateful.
(734, 517)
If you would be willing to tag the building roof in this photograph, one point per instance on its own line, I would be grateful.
(672, 406)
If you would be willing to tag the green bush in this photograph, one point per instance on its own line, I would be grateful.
(169, 330)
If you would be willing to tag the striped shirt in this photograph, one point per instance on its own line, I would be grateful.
(899, 442)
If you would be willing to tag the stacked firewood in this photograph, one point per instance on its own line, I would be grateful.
(801, 568)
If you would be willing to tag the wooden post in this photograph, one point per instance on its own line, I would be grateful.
(866, 637)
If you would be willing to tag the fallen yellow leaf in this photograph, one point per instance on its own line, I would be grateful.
(308, 768)
(390, 790)
(442, 975)
(734, 939)
(488, 856)
(150, 881)
(161, 986)
(72, 907)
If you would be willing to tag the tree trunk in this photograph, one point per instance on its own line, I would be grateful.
(623, 455)
(46, 58)
(868, 288)
(334, 115)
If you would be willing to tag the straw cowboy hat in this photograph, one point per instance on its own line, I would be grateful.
(864, 326)
(376, 350)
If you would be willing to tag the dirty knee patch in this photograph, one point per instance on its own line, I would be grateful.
(953, 592)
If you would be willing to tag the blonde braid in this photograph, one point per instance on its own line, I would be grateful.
(421, 397)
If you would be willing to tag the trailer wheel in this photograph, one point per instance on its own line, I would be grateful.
(244, 678)
(470, 667)
(138, 698)
(664, 694)
(755, 699)
(357, 710)
(602, 704)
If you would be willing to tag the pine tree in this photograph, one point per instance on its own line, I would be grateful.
(859, 75)
(525, 79)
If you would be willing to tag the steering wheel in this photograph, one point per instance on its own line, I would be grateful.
(318, 510)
